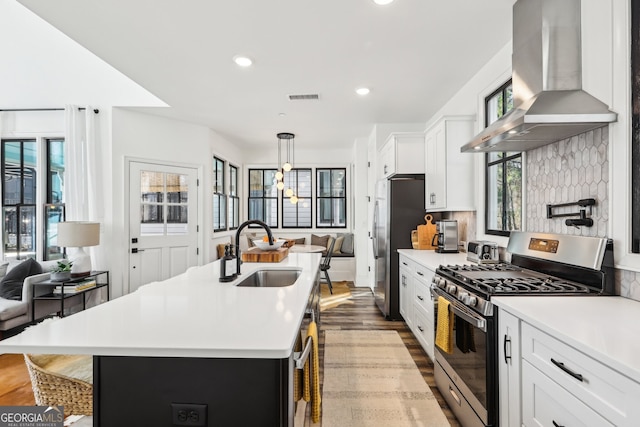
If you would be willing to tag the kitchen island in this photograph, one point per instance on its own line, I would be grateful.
(188, 340)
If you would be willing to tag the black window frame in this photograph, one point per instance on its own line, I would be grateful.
(504, 160)
(635, 128)
(263, 198)
(319, 198)
(219, 175)
(233, 205)
(20, 205)
(285, 199)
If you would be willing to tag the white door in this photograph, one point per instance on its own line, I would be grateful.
(163, 229)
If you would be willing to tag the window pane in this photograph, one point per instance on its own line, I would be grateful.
(324, 213)
(152, 186)
(337, 183)
(10, 237)
(27, 242)
(513, 213)
(271, 212)
(218, 175)
(53, 214)
(233, 180)
(263, 193)
(494, 108)
(494, 197)
(255, 183)
(324, 183)
(151, 220)
(29, 172)
(509, 97)
(177, 220)
(56, 171)
(12, 173)
(177, 188)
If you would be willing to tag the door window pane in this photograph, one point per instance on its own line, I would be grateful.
(163, 208)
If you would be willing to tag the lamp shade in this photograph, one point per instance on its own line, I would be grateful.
(77, 234)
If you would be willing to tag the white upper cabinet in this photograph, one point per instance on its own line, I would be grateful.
(449, 174)
(402, 153)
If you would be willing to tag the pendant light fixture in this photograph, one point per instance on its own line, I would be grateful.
(286, 138)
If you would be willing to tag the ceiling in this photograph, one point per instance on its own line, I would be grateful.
(413, 55)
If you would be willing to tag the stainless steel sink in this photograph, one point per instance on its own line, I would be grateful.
(270, 278)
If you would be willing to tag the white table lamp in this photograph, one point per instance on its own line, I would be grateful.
(79, 234)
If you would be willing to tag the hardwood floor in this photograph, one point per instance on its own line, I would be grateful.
(15, 385)
(359, 312)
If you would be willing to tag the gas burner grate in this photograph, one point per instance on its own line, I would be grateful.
(528, 285)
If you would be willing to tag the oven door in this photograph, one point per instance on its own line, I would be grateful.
(467, 376)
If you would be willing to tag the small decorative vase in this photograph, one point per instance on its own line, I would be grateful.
(60, 276)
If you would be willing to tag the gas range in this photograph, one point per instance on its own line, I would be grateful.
(536, 268)
(540, 264)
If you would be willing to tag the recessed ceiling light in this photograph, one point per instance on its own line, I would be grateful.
(382, 2)
(282, 114)
(242, 61)
(363, 91)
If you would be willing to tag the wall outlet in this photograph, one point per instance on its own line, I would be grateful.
(189, 414)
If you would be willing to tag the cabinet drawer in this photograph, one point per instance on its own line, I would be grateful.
(545, 403)
(423, 330)
(423, 274)
(423, 298)
(606, 391)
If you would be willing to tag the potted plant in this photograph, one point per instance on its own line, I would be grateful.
(62, 271)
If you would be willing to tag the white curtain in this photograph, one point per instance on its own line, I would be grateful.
(83, 186)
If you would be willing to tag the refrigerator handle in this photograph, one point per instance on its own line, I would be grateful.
(374, 234)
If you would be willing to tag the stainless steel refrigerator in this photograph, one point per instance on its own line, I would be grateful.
(399, 209)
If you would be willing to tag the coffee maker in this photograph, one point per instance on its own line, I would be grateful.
(446, 237)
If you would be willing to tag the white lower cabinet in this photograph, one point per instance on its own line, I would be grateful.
(419, 306)
(548, 404)
(406, 290)
(545, 382)
(509, 368)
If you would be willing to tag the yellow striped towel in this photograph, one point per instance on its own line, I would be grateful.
(312, 374)
(444, 329)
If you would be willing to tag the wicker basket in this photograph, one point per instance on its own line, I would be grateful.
(51, 387)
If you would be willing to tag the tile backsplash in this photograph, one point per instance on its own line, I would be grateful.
(567, 171)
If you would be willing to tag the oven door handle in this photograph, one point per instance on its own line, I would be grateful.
(462, 311)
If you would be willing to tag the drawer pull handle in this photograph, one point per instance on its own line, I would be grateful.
(455, 396)
(404, 263)
(507, 357)
(567, 370)
(420, 327)
(420, 274)
(556, 424)
(420, 297)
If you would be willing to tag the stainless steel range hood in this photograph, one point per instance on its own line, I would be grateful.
(550, 104)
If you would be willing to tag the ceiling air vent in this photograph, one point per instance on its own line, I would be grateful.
(303, 97)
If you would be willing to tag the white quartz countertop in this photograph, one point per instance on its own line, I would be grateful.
(605, 327)
(190, 315)
(432, 259)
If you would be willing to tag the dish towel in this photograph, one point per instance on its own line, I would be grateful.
(312, 374)
(465, 340)
(444, 330)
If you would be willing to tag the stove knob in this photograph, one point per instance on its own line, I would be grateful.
(471, 301)
(463, 296)
(452, 289)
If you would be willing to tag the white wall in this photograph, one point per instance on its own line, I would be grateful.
(147, 137)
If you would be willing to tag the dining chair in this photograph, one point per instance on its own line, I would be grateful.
(325, 265)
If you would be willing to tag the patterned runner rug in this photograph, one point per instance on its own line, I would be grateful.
(371, 380)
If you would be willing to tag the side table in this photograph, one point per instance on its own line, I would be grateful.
(44, 291)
